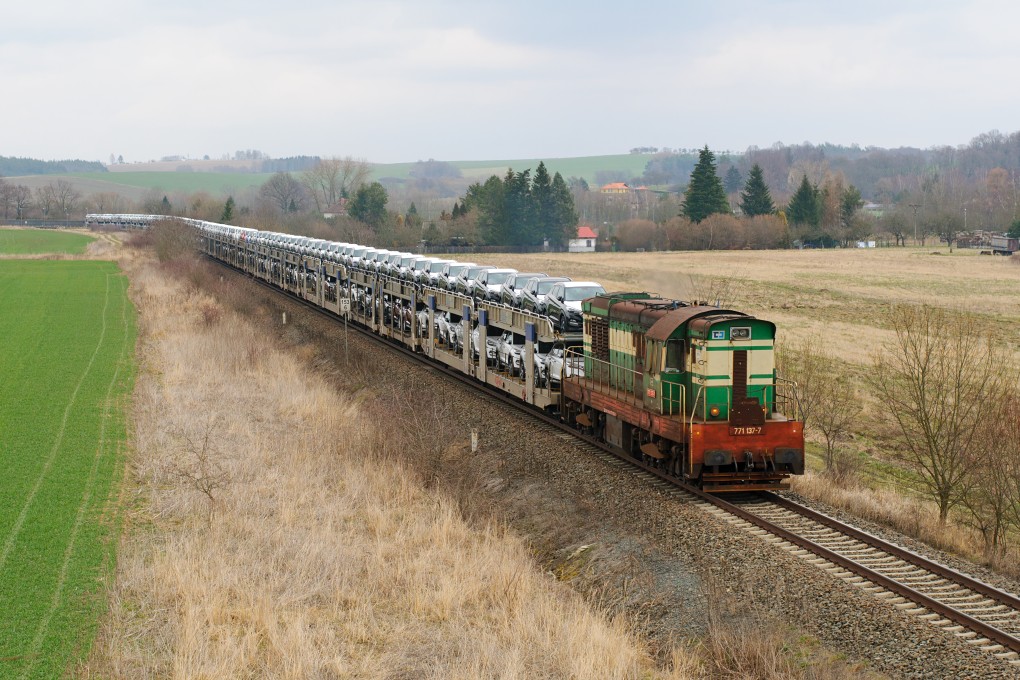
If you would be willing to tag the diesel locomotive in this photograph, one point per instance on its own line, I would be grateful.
(688, 388)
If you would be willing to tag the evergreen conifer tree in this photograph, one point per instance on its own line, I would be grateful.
(756, 198)
(564, 221)
(803, 207)
(520, 207)
(228, 210)
(705, 194)
(542, 197)
(733, 180)
(369, 204)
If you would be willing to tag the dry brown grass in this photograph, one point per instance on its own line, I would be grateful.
(890, 508)
(274, 533)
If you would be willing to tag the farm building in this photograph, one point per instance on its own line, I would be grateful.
(585, 241)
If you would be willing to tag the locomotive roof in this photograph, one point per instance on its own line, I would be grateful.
(670, 321)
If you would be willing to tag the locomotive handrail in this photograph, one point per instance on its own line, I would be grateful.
(616, 382)
(786, 403)
(791, 398)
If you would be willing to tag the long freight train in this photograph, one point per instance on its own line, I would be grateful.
(689, 388)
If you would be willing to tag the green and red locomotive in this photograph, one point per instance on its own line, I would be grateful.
(689, 388)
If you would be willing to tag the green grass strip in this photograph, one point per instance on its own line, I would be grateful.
(40, 241)
(67, 334)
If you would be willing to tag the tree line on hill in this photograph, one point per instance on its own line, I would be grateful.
(776, 197)
(11, 166)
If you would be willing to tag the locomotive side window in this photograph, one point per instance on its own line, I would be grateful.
(673, 360)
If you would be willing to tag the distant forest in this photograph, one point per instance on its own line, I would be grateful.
(881, 175)
(16, 167)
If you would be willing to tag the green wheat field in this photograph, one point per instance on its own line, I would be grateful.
(67, 335)
(38, 241)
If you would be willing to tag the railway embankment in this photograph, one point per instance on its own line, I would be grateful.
(633, 548)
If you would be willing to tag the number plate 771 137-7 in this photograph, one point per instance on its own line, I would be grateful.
(737, 431)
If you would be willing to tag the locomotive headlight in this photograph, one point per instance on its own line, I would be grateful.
(714, 411)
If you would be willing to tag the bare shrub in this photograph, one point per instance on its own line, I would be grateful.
(636, 234)
(1015, 258)
(993, 505)
(170, 239)
(211, 313)
(839, 411)
(709, 290)
(199, 465)
(830, 403)
(843, 467)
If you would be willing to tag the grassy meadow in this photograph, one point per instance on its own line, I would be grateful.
(67, 335)
(39, 241)
(843, 296)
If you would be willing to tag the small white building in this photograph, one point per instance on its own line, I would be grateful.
(585, 241)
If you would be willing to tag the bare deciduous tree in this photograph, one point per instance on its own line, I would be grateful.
(334, 178)
(839, 409)
(21, 200)
(935, 380)
(67, 198)
(46, 199)
(6, 197)
(107, 202)
(285, 192)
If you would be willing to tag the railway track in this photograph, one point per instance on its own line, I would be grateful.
(958, 604)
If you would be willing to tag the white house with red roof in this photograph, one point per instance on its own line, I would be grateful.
(585, 241)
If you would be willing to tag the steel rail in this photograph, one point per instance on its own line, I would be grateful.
(990, 632)
(969, 582)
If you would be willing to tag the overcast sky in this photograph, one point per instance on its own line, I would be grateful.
(460, 80)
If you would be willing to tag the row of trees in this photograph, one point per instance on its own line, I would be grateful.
(716, 232)
(56, 200)
(825, 215)
(521, 210)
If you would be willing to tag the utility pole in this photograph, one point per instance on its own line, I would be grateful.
(915, 206)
